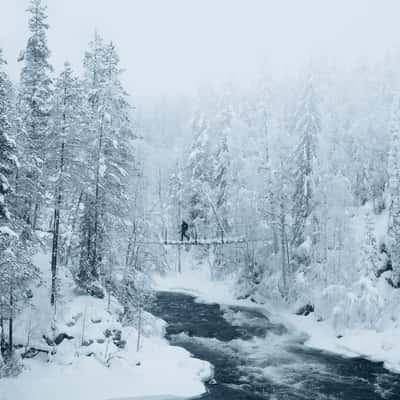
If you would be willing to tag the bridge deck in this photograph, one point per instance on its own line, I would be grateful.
(203, 242)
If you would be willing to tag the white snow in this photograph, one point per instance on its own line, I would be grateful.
(164, 370)
(374, 345)
(72, 373)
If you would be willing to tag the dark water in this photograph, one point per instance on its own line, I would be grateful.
(255, 358)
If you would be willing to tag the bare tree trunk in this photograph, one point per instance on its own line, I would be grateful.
(96, 202)
(10, 323)
(35, 216)
(139, 330)
(284, 253)
(160, 199)
(56, 229)
(2, 336)
(75, 217)
(179, 259)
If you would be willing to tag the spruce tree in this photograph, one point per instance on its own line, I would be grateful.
(110, 156)
(394, 190)
(117, 167)
(65, 167)
(369, 261)
(34, 108)
(221, 171)
(308, 127)
(7, 146)
(222, 126)
(199, 175)
(16, 268)
(220, 205)
(269, 206)
(94, 84)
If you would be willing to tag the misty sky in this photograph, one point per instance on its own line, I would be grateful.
(173, 45)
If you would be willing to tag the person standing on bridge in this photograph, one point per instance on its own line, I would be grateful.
(184, 230)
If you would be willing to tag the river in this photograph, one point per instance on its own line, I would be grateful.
(255, 358)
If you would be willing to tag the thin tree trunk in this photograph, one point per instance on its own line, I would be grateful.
(56, 228)
(2, 336)
(179, 259)
(139, 330)
(96, 204)
(75, 217)
(284, 254)
(35, 215)
(10, 323)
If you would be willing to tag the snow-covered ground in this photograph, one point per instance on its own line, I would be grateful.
(372, 344)
(79, 372)
(165, 370)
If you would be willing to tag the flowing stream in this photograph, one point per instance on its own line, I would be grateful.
(255, 358)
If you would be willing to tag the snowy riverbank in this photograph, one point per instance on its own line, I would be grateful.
(368, 343)
(99, 369)
(381, 346)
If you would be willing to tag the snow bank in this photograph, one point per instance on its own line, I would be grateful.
(372, 344)
(93, 365)
(164, 370)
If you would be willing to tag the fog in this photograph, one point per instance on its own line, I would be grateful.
(173, 46)
(248, 154)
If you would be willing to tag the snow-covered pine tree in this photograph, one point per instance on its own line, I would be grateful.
(220, 188)
(221, 181)
(335, 249)
(176, 196)
(34, 108)
(280, 189)
(118, 152)
(7, 162)
(199, 175)
(394, 190)
(359, 164)
(16, 274)
(94, 82)
(110, 158)
(308, 127)
(269, 203)
(65, 165)
(7, 146)
(16, 268)
(369, 259)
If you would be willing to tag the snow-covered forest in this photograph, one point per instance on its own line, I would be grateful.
(279, 191)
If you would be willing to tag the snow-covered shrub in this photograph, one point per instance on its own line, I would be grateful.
(268, 289)
(302, 254)
(326, 302)
(10, 365)
(362, 305)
